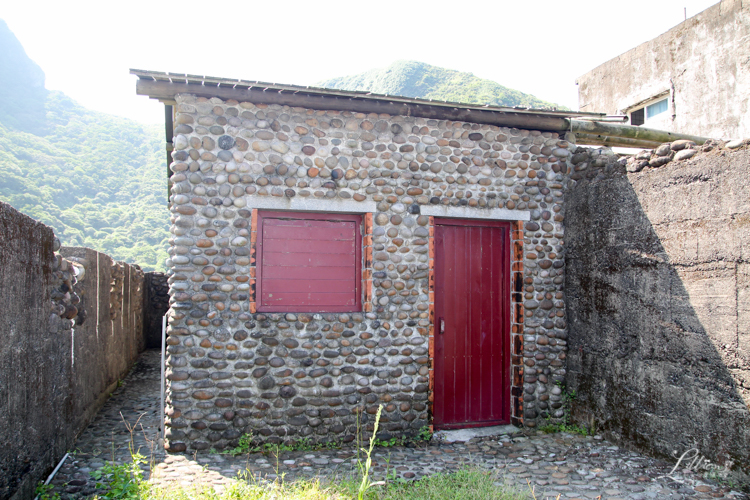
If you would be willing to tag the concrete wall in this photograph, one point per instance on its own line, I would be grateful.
(66, 336)
(657, 289)
(703, 62)
(32, 335)
(108, 341)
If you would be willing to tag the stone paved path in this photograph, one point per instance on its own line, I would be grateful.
(571, 466)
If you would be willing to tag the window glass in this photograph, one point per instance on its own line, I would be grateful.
(656, 108)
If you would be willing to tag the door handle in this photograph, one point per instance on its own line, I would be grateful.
(442, 326)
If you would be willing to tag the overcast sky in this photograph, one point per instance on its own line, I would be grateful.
(538, 47)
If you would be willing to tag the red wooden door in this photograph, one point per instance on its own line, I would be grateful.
(472, 323)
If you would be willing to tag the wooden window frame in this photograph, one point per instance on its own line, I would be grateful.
(326, 216)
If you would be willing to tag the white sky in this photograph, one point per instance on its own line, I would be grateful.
(536, 46)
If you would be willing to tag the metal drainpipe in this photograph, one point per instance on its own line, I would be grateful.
(49, 478)
(163, 358)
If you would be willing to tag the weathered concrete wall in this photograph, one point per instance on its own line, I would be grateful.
(285, 376)
(657, 290)
(110, 335)
(33, 373)
(703, 62)
(68, 332)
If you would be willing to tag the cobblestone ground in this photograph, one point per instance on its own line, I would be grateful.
(568, 465)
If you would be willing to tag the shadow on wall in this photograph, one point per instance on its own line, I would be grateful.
(657, 288)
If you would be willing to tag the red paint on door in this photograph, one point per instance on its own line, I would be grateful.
(472, 323)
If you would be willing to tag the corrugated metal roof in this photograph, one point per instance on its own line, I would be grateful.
(205, 83)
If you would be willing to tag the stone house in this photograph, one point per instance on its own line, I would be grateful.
(334, 251)
(693, 79)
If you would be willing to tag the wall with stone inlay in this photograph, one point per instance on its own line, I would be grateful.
(285, 376)
(58, 362)
(109, 331)
(657, 287)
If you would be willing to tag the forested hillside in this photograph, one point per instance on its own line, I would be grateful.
(416, 79)
(97, 179)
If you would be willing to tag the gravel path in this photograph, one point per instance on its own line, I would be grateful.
(570, 465)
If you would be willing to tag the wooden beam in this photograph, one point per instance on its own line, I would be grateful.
(630, 132)
(600, 132)
(166, 91)
(603, 140)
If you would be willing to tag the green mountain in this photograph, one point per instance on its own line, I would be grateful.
(97, 179)
(416, 79)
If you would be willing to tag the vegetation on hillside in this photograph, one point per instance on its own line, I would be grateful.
(98, 180)
(416, 79)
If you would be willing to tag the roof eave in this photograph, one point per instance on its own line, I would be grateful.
(165, 86)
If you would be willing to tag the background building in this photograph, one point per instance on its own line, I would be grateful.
(693, 79)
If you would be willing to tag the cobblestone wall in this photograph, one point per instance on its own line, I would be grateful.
(657, 291)
(284, 376)
(57, 361)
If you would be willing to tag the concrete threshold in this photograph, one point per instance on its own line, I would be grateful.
(457, 435)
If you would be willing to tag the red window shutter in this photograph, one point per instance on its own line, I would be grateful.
(308, 262)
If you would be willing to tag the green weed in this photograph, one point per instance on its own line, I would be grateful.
(364, 468)
(551, 428)
(122, 481)
(564, 425)
(724, 477)
(466, 484)
(425, 433)
(44, 492)
(244, 446)
(387, 443)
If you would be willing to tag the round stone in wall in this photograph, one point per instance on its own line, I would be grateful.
(225, 142)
